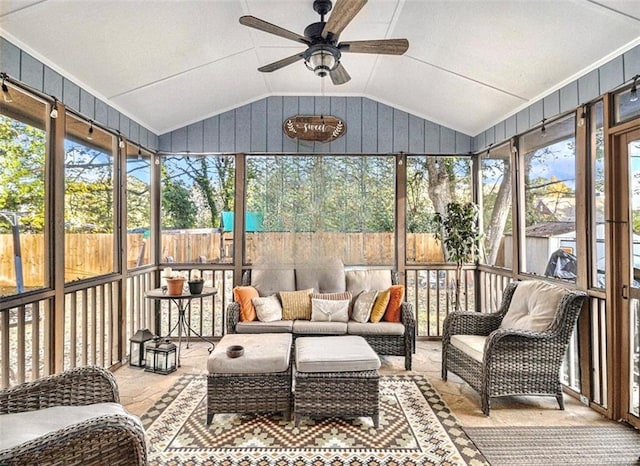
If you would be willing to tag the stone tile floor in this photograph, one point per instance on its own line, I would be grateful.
(139, 390)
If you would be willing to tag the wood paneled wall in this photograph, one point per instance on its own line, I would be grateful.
(372, 128)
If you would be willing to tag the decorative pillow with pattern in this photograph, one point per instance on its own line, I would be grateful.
(296, 304)
(268, 308)
(329, 310)
(363, 305)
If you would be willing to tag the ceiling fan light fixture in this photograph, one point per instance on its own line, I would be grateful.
(322, 60)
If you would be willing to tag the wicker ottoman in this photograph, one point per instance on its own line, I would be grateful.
(336, 376)
(259, 381)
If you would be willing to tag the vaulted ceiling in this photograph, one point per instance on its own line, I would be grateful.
(470, 63)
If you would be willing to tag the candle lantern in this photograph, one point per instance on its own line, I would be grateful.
(160, 356)
(136, 347)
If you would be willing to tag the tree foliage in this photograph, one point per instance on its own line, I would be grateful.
(22, 156)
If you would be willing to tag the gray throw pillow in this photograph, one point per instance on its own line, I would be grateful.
(363, 305)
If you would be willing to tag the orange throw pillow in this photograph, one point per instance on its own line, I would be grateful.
(243, 295)
(392, 314)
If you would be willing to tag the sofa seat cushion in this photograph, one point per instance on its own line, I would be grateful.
(19, 428)
(335, 354)
(277, 326)
(533, 306)
(307, 327)
(264, 353)
(380, 328)
(471, 345)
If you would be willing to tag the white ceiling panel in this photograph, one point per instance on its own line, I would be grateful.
(431, 88)
(198, 94)
(470, 63)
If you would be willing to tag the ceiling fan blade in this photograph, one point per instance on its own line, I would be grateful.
(343, 12)
(264, 26)
(339, 75)
(383, 46)
(276, 65)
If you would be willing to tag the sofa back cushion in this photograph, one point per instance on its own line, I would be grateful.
(358, 280)
(533, 306)
(269, 281)
(324, 276)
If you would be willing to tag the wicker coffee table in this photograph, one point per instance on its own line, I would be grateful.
(259, 381)
(336, 377)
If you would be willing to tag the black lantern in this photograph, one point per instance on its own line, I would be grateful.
(160, 356)
(136, 347)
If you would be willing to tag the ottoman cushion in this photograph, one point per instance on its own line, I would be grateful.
(263, 353)
(335, 354)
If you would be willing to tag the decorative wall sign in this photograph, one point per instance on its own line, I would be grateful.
(314, 128)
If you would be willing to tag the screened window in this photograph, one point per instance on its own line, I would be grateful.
(432, 183)
(549, 165)
(496, 201)
(138, 206)
(305, 207)
(598, 250)
(88, 200)
(22, 193)
(197, 202)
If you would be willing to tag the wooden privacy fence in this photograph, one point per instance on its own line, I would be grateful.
(91, 254)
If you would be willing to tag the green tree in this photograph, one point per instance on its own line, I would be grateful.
(22, 156)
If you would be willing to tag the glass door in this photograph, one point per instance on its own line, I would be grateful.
(630, 275)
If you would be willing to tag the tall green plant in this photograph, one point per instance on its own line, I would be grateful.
(460, 234)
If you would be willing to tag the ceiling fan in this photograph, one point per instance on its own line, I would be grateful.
(323, 52)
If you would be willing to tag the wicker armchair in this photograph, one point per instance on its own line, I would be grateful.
(102, 436)
(511, 361)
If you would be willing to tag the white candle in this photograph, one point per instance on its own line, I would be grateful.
(195, 275)
(167, 271)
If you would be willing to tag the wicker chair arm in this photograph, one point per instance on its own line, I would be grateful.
(109, 439)
(74, 387)
(233, 317)
(471, 323)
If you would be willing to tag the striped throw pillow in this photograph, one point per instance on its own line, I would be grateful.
(296, 304)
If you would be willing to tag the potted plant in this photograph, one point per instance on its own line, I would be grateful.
(196, 283)
(460, 234)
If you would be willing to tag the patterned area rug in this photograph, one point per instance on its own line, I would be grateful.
(607, 444)
(416, 428)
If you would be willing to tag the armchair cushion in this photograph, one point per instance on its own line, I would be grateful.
(19, 428)
(471, 345)
(533, 306)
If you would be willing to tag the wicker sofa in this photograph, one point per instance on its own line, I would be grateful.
(73, 418)
(517, 350)
(330, 276)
